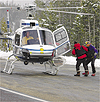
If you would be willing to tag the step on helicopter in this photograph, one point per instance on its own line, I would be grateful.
(34, 44)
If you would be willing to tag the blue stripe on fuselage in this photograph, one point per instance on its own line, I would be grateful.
(25, 23)
(36, 49)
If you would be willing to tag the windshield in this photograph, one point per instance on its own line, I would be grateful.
(46, 37)
(30, 37)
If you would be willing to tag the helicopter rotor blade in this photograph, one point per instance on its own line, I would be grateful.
(67, 7)
(43, 9)
(7, 7)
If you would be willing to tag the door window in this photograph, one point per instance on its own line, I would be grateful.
(60, 37)
(17, 39)
(46, 37)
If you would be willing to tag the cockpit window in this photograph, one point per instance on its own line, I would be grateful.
(46, 37)
(30, 37)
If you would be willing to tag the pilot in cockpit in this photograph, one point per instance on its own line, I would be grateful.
(26, 38)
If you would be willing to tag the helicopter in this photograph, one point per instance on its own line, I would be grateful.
(35, 44)
(43, 46)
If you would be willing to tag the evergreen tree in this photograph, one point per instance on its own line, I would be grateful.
(4, 43)
(80, 27)
(47, 19)
(3, 25)
(87, 27)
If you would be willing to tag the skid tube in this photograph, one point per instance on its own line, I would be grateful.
(11, 68)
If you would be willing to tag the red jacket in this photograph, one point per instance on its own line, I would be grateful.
(79, 51)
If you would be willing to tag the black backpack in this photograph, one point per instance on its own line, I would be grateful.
(90, 53)
(80, 52)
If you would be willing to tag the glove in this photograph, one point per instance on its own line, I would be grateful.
(95, 54)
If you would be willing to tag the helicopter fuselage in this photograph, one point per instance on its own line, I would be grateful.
(38, 45)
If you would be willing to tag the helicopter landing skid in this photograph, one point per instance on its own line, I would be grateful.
(54, 65)
(54, 69)
(9, 66)
(49, 73)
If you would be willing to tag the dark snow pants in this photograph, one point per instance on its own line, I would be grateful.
(92, 60)
(79, 61)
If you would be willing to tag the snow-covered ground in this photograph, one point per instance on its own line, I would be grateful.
(69, 59)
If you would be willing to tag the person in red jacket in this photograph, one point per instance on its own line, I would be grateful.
(80, 52)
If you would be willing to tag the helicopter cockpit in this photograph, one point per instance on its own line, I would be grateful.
(31, 37)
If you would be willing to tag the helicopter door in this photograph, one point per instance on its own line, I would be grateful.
(61, 41)
(17, 44)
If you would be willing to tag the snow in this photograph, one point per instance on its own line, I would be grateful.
(5, 55)
(69, 59)
(72, 61)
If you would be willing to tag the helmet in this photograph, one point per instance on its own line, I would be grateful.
(87, 42)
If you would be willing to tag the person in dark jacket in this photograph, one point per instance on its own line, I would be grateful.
(80, 52)
(91, 56)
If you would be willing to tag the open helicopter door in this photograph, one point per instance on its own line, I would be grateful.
(62, 44)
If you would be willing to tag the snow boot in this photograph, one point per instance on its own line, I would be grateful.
(93, 74)
(78, 74)
(86, 73)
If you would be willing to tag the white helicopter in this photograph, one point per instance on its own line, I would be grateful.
(34, 44)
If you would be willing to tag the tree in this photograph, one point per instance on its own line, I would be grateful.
(93, 6)
(47, 19)
(4, 43)
(80, 27)
(3, 25)
(88, 27)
